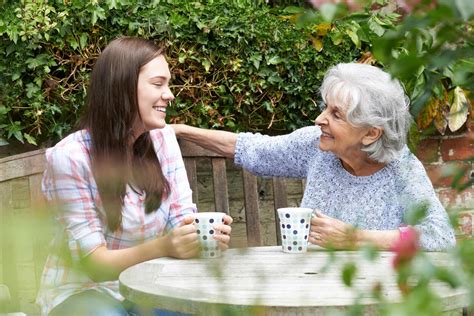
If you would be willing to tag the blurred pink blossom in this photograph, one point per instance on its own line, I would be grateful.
(406, 247)
(409, 6)
(353, 5)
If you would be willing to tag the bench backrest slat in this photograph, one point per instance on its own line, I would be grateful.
(252, 213)
(191, 170)
(279, 200)
(219, 178)
(23, 165)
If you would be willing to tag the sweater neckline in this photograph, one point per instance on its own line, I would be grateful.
(379, 174)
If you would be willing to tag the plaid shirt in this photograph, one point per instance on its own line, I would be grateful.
(82, 227)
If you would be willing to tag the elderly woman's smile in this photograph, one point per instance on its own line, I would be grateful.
(324, 134)
(344, 139)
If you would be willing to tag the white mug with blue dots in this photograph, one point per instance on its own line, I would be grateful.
(205, 222)
(295, 224)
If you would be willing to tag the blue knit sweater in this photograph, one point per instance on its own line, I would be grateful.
(378, 201)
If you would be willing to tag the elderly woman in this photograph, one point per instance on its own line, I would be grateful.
(361, 176)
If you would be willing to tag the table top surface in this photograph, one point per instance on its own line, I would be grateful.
(266, 276)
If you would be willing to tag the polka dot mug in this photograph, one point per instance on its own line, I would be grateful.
(294, 227)
(205, 222)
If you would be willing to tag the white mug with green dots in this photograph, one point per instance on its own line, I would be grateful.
(295, 223)
(205, 223)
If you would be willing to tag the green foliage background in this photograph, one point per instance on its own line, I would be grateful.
(237, 65)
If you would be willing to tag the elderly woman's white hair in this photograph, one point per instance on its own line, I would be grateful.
(372, 98)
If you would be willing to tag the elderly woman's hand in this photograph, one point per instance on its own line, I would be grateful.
(223, 232)
(329, 232)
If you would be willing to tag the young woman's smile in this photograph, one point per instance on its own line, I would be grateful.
(153, 93)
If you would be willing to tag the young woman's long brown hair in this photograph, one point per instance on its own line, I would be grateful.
(112, 112)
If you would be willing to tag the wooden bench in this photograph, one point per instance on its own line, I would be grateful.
(24, 213)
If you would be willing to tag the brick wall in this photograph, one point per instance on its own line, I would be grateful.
(449, 161)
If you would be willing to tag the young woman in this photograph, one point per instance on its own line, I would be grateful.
(120, 183)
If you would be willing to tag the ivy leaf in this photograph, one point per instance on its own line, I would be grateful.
(207, 64)
(459, 110)
(354, 37)
(294, 10)
(336, 37)
(3, 142)
(463, 72)
(274, 60)
(268, 106)
(322, 29)
(376, 27)
(15, 130)
(256, 59)
(30, 139)
(35, 62)
(97, 14)
(16, 75)
(112, 4)
(31, 90)
(4, 110)
(317, 43)
(73, 43)
(201, 25)
(83, 40)
(352, 32)
(419, 86)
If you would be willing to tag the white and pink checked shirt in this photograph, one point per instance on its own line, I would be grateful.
(81, 220)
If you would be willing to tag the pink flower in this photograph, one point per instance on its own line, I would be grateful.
(409, 5)
(406, 247)
(353, 5)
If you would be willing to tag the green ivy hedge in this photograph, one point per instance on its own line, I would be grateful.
(237, 65)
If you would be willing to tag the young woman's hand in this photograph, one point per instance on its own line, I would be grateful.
(223, 232)
(182, 241)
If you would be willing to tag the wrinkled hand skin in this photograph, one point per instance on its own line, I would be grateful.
(329, 232)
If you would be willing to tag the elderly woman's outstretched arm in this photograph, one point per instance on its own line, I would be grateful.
(221, 142)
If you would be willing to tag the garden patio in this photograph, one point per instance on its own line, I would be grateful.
(239, 65)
